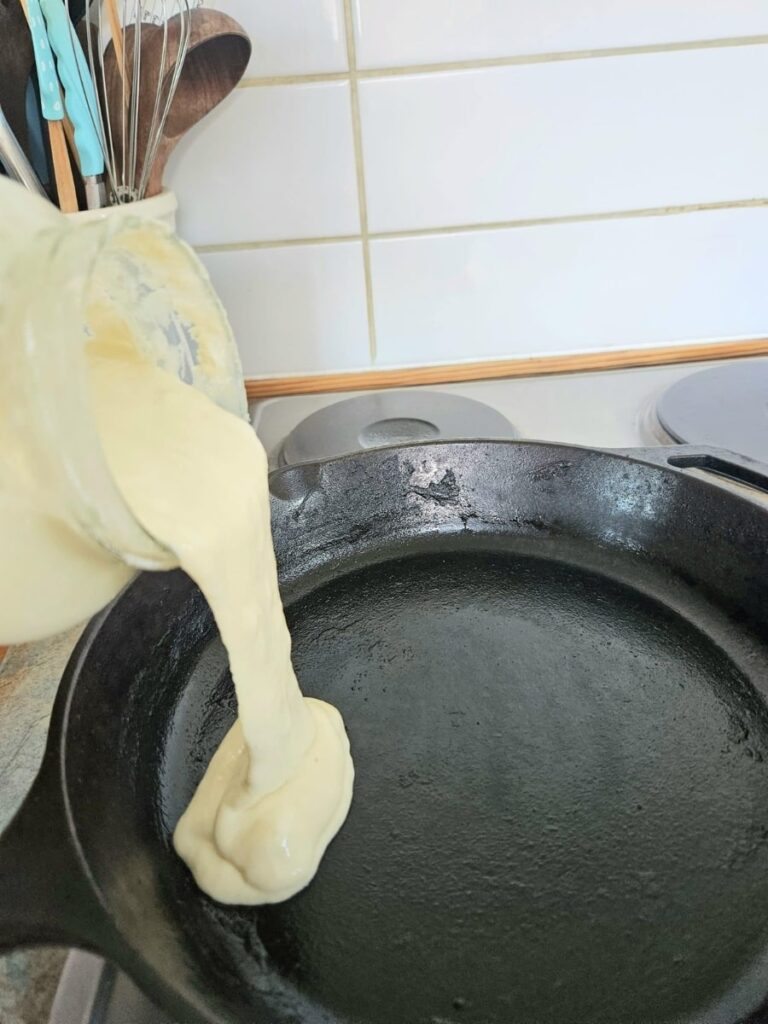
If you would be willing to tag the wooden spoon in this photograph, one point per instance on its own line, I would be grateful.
(217, 55)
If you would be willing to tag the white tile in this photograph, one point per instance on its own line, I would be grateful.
(407, 32)
(571, 287)
(271, 163)
(584, 136)
(296, 309)
(292, 37)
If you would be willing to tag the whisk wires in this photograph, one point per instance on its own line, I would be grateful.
(136, 55)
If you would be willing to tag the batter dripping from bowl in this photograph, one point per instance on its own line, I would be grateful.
(280, 785)
(102, 322)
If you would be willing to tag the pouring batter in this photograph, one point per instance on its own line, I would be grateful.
(280, 785)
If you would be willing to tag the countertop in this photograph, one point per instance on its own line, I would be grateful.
(29, 678)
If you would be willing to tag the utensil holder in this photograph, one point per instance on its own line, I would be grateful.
(161, 207)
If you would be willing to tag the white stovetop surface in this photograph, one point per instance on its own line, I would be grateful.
(611, 409)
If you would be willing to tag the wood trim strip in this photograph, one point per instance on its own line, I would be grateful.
(536, 366)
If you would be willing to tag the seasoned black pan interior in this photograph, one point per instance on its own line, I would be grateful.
(561, 744)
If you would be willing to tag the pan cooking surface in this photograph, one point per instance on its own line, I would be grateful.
(560, 811)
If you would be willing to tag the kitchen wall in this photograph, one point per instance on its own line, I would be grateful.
(407, 182)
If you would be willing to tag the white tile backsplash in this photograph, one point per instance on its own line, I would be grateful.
(296, 309)
(503, 195)
(292, 37)
(570, 287)
(272, 162)
(558, 139)
(404, 32)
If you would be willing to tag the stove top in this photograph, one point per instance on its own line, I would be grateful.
(613, 409)
(92, 991)
(725, 406)
(379, 418)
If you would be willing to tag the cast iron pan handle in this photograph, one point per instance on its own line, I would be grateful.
(715, 461)
(46, 897)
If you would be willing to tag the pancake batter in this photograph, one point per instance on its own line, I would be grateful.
(280, 785)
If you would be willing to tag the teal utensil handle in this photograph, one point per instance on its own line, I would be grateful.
(50, 94)
(79, 93)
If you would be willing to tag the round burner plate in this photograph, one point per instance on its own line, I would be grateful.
(725, 407)
(391, 417)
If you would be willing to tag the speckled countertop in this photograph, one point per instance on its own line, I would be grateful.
(29, 678)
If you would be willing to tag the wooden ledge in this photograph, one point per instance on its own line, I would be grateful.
(537, 366)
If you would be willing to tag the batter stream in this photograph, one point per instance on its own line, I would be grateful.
(280, 785)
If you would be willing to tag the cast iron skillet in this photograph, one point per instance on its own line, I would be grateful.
(552, 663)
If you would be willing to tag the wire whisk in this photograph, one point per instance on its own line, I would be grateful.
(136, 52)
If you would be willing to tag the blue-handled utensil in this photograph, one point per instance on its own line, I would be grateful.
(52, 106)
(80, 100)
(50, 94)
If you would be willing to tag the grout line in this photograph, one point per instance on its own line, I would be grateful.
(321, 76)
(357, 136)
(574, 218)
(566, 55)
(501, 225)
(493, 62)
(281, 243)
